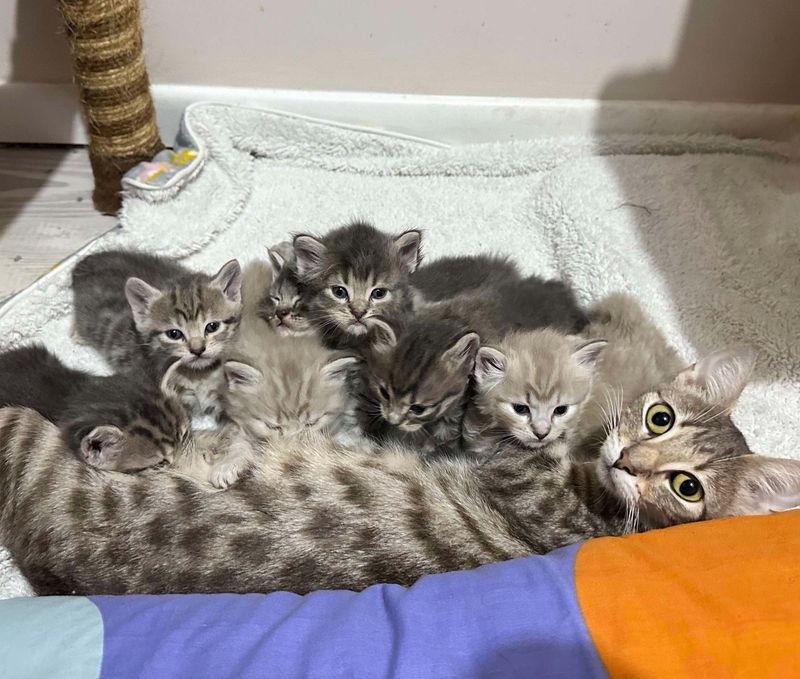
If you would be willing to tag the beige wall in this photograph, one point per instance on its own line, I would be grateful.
(702, 50)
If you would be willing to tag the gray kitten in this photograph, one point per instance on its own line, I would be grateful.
(282, 306)
(122, 422)
(138, 308)
(448, 277)
(314, 515)
(352, 275)
(530, 390)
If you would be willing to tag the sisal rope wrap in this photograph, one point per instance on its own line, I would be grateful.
(105, 38)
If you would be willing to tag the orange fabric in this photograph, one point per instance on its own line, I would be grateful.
(706, 600)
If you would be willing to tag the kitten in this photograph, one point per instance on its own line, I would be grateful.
(313, 515)
(352, 275)
(447, 277)
(283, 307)
(529, 391)
(278, 386)
(173, 314)
(121, 422)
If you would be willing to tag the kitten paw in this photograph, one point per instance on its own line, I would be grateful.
(225, 473)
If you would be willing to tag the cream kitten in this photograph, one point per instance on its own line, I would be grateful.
(529, 391)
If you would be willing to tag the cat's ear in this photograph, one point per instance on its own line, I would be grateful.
(103, 446)
(141, 297)
(587, 353)
(462, 353)
(241, 377)
(338, 369)
(229, 280)
(309, 254)
(407, 247)
(490, 366)
(721, 376)
(766, 484)
(382, 335)
(279, 256)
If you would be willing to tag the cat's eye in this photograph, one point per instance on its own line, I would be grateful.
(686, 486)
(379, 293)
(383, 392)
(339, 292)
(416, 409)
(560, 410)
(275, 299)
(174, 334)
(212, 327)
(520, 408)
(659, 419)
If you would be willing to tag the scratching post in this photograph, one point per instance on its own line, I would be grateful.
(105, 37)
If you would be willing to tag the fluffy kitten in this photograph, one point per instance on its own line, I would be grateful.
(529, 390)
(447, 277)
(283, 306)
(135, 307)
(353, 274)
(122, 422)
(313, 515)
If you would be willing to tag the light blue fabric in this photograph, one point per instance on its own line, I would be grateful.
(50, 637)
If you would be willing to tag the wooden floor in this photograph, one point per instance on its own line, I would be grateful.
(46, 211)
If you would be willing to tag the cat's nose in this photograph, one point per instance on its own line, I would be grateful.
(358, 312)
(283, 313)
(394, 418)
(624, 462)
(541, 429)
(197, 347)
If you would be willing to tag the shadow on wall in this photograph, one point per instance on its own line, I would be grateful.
(720, 230)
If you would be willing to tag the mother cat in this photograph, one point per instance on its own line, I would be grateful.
(313, 515)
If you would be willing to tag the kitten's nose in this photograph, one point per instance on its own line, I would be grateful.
(358, 312)
(624, 462)
(197, 346)
(394, 418)
(283, 313)
(541, 429)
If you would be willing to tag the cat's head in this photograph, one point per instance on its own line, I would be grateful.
(283, 307)
(295, 386)
(128, 427)
(674, 455)
(194, 320)
(420, 373)
(531, 389)
(355, 273)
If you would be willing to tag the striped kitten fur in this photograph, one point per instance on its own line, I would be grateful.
(283, 307)
(314, 515)
(135, 307)
(122, 422)
(353, 274)
(529, 390)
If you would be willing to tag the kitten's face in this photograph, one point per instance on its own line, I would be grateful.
(532, 390)
(415, 383)
(283, 308)
(355, 274)
(194, 322)
(675, 456)
(288, 397)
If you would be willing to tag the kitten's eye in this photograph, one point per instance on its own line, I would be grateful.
(174, 334)
(384, 393)
(686, 487)
(520, 408)
(560, 410)
(659, 419)
(212, 327)
(275, 299)
(416, 409)
(339, 292)
(379, 293)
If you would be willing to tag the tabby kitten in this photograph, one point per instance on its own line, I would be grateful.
(176, 314)
(122, 422)
(352, 275)
(529, 391)
(283, 306)
(448, 277)
(314, 515)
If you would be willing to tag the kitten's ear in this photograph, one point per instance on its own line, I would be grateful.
(407, 246)
(140, 297)
(241, 377)
(766, 485)
(103, 446)
(382, 335)
(587, 353)
(490, 366)
(338, 369)
(280, 255)
(463, 352)
(309, 254)
(229, 280)
(721, 376)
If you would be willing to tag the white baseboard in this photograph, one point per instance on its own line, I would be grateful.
(45, 113)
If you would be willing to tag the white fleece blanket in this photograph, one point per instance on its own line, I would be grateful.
(704, 230)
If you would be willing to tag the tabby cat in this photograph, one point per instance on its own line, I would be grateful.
(282, 307)
(352, 275)
(313, 515)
